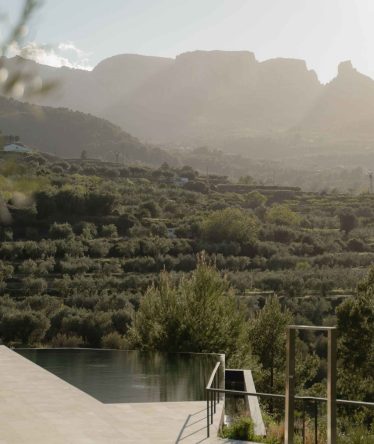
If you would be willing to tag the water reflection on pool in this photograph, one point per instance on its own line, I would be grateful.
(129, 376)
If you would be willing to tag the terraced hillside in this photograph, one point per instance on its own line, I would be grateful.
(82, 241)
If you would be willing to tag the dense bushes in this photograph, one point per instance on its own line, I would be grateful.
(27, 327)
(355, 322)
(282, 215)
(197, 314)
(106, 256)
(241, 429)
(86, 237)
(61, 231)
(72, 202)
(109, 231)
(231, 224)
(117, 246)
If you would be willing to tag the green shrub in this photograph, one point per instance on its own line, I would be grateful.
(231, 224)
(46, 266)
(28, 267)
(86, 230)
(282, 215)
(113, 340)
(109, 231)
(71, 265)
(34, 285)
(121, 320)
(61, 231)
(111, 267)
(254, 199)
(348, 220)
(198, 314)
(98, 248)
(6, 271)
(6, 234)
(63, 340)
(241, 428)
(91, 326)
(70, 247)
(25, 326)
(357, 435)
(356, 245)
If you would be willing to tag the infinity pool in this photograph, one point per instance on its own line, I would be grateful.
(129, 376)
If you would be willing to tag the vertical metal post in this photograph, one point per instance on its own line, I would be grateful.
(218, 384)
(215, 393)
(303, 421)
(211, 407)
(331, 387)
(207, 414)
(315, 422)
(290, 388)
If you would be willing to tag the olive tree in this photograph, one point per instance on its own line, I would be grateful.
(230, 224)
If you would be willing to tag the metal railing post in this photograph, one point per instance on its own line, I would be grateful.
(215, 393)
(315, 422)
(211, 408)
(303, 421)
(331, 387)
(290, 388)
(207, 414)
(213, 389)
(331, 383)
(211, 396)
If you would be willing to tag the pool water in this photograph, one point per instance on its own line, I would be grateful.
(113, 376)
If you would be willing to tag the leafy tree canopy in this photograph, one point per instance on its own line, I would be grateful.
(355, 320)
(282, 215)
(197, 314)
(230, 224)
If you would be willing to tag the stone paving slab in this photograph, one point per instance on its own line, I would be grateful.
(37, 407)
(183, 422)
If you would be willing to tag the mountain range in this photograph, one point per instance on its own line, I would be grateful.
(218, 98)
(68, 133)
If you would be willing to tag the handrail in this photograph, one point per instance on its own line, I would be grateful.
(213, 375)
(213, 399)
(300, 398)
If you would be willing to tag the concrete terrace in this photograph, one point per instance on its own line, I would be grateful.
(37, 407)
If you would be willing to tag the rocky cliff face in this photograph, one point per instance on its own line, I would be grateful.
(215, 94)
(210, 95)
(345, 109)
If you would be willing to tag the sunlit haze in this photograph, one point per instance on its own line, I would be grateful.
(186, 218)
(321, 32)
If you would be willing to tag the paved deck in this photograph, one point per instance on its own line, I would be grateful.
(37, 407)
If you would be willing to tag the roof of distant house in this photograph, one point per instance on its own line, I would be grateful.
(17, 147)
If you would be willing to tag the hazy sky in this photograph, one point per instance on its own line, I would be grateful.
(323, 32)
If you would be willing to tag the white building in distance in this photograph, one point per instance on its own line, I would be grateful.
(17, 147)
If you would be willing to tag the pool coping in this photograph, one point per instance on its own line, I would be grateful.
(39, 407)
